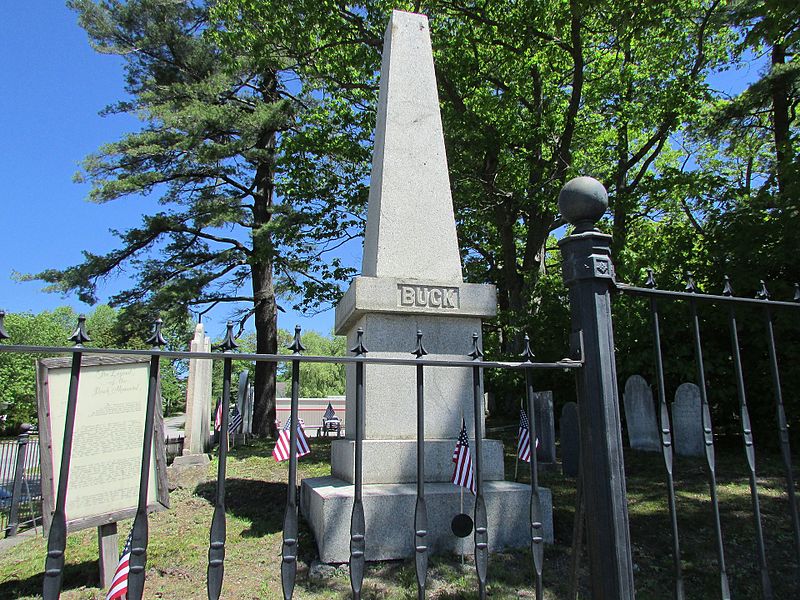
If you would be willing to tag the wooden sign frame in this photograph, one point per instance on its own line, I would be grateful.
(102, 366)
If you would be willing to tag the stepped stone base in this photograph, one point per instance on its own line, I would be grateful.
(395, 461)
(326, 503)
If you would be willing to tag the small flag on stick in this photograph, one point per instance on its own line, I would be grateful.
(329, 412)
(119, 584)
(218, 416)
(462, 472)
(524, 438)
(281, 450)
(235, 420)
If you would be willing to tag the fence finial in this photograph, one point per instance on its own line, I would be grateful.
(419, 351)
(79, 336)
(727, 290)
(527, 353)
(690, 285)
(651, 280)
(157, 339)
(359, 348)
(763, 293)
(582, 202)
(3, 334)
(229, 343)
(476, 353)
(296, 346)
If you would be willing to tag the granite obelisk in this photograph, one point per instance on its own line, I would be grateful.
(411, 280)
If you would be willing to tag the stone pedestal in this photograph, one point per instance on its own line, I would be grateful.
(395, 461)
(327, 502)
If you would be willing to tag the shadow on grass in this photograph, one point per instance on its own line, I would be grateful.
(85, 574)
(261, 503)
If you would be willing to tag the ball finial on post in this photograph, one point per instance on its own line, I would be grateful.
(582, 202)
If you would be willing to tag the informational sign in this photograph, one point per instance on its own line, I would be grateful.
(103, 485)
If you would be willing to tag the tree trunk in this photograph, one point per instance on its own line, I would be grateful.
(266, 321)
(265, 306)
(780, 121)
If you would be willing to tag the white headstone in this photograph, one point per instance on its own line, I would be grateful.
(198, 396)
(640, 415)
(687, 421)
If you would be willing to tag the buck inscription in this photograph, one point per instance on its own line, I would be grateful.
(428, 296)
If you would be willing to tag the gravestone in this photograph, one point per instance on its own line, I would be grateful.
(640, 415)
(411, 280)
(545, 426)
(569, 428)
(687, 421)
(191, 467)
(198, 396)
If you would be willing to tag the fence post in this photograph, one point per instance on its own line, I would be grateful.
(588, 274)
(19, 473)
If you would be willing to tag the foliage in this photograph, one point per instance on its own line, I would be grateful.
(54, 328)
(17, 371)
(532, 94)
(217, 145)
(317, 380)
(258, 117)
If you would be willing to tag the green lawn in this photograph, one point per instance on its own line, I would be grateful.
(256, 498)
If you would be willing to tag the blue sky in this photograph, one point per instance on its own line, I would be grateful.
(53, 86)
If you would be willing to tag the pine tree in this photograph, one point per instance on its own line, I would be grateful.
(235, 228)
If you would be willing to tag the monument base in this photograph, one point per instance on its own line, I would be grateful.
(187, 471)
(395, 461)
(326, 503)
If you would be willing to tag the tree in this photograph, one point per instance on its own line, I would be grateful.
(233, 231)
(317, 380)
(17, 371)
(54, 328)
(532, 94)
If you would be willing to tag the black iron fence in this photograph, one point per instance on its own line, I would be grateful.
(20, 483)
(589, 276)
(54, 564)
(728, 302)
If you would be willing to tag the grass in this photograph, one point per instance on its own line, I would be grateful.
(256, 493)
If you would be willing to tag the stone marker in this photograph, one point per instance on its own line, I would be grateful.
(198, 396)
(640, 415)
(545, 426)
(569, 429)
(687, 421)
(411, 280)
(191, 467)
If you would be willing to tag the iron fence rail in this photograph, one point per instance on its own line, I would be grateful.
(764, 303)
(54, 563)
(566, 363)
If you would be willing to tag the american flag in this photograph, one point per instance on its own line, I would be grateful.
(218, 416)
(235, 420)
(462, 472)
(524, 438)
(329, 412)
(119, 585)
(281, 450)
